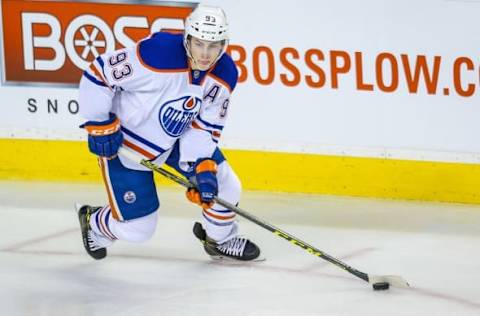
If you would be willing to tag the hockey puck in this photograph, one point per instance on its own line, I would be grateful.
(381, 286)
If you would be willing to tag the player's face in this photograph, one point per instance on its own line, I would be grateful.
(204, 52)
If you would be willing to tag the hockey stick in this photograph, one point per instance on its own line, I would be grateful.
(379, 282)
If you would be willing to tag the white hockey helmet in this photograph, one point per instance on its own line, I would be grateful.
(206, 23)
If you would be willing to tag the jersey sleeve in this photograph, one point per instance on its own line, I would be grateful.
(214, 111)
(107, 75)
(213, 116)
(200, 140)
(128, 69)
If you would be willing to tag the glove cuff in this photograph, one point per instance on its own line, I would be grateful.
(206, 165)
(107, 127)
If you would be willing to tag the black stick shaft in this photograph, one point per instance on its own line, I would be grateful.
(312, 250)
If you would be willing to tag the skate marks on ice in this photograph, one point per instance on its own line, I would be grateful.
(42, 243)
(36, 240)
(33, 248)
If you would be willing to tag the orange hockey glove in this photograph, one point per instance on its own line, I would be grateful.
(207, 185)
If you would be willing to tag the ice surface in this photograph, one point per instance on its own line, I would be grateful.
(45, 271)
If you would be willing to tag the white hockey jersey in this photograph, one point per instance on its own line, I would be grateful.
(159, 98)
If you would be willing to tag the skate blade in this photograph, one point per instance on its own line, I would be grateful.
(236, 261)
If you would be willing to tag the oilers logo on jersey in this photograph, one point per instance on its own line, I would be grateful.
(176, 115)
(160, 88)
(130, 197)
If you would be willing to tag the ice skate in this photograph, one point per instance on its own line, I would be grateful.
(94, 244)
(236, 248)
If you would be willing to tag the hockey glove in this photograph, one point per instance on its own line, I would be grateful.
(206, 176)
(104, 138)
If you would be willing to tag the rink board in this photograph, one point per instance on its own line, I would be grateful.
(268, 171)
(373, 109)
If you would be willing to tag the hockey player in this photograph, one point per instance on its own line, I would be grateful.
(167, 99)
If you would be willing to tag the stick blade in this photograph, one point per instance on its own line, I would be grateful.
(78, 206)
(393, 280)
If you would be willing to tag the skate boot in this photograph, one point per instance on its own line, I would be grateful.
(237, 248)
(94, 244)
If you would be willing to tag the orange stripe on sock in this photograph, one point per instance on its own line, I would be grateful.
(106, 230)
(218, 216)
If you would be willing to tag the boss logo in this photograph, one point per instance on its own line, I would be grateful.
(47, 41)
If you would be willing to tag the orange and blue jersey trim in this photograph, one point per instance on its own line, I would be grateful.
(215, 135)
(213, 129)
(139, 150)
(95, 73)
(111, 196)
(225, 72)
(141, 145)
(221, 81)
(94, 79)
(209, 125)
(163, 52)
